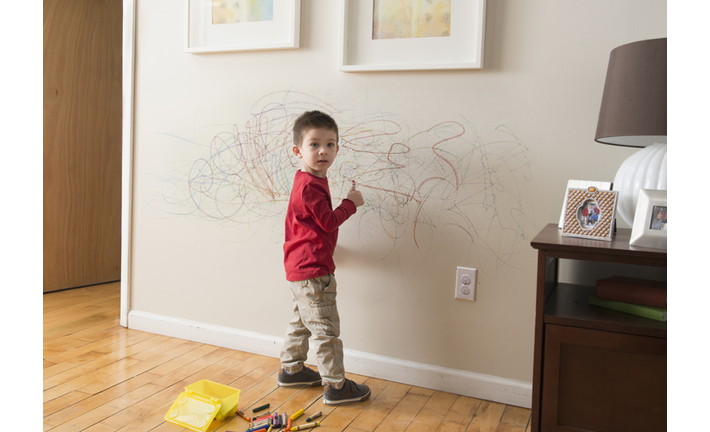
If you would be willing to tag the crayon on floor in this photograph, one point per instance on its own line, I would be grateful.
(298, 414)
(314, 416)
(259, 408)
(305, 426)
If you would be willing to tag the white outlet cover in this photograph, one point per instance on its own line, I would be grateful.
(466, 283)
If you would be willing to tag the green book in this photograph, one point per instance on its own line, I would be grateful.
(654, 313)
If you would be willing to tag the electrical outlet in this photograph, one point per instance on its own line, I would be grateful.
(466, 283)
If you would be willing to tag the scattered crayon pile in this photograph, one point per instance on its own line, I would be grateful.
(271, 421)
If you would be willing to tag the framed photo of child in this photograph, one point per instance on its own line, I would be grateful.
(651, 220)
(590, 213)
(580, 184)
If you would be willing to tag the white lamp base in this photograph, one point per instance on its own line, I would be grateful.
(645, 169)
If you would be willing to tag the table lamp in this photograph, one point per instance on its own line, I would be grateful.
(633, 114)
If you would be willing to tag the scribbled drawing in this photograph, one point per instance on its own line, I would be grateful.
(399, 19)
(241, 11)
(444, 177)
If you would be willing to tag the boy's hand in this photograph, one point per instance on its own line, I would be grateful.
(355, 196)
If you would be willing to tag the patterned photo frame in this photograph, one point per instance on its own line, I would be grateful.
(590, 213)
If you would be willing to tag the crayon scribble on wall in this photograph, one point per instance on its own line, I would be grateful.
(443, 177)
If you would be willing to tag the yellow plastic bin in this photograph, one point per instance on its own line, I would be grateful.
(202, 402)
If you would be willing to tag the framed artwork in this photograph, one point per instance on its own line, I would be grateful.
(590, 213)
(651, 220)
(386, 35)
(241, 25)
(580, 184)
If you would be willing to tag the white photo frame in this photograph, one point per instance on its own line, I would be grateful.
(461, 49)
(648, 229)
(282, 31)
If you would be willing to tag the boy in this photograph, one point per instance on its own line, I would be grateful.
(311, 235)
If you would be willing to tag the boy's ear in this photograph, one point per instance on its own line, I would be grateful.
(297, 151)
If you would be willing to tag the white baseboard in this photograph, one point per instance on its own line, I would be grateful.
(480, 386)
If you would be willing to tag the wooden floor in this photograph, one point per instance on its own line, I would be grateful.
(101, 377)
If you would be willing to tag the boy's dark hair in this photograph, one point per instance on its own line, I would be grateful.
(313, 119)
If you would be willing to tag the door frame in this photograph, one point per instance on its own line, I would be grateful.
(128, 75)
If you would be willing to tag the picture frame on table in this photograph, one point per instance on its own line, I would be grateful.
(241, 25)
(651, 220)
(388, 35)
(590, 213)
(584, 184)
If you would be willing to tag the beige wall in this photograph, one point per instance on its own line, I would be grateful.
(528, 121)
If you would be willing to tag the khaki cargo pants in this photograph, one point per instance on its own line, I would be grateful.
(315, 313)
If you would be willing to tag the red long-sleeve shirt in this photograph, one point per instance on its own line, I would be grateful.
(312, 228)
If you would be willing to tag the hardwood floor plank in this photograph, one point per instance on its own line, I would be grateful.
(62, 402)
(404, 413)
(100, 345)
(82, 324)
(87, 420)
(114, 377)
(83, 337)
(463, 410)
(84, 380)
(193, 368)
(84, 310)
(380, 407)
(100, 399)
(99, 427)
(487, 417)
(432, 414)
(516, 415)
(510, 427)
(61, 299)
(183, 360)
(121, 353)
(65, 366)
(156, 404)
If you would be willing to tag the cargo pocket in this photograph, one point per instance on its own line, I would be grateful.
(324, 305)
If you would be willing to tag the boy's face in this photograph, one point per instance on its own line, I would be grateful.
(317, 151)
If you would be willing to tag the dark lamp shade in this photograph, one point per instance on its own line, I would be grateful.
(633, 109)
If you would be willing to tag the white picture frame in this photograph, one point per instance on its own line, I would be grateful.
(282, 31)
(648, 231)
(462, 49)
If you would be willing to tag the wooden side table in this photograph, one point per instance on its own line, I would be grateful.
(594, 369)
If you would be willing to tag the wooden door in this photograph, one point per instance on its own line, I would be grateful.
(82, 142)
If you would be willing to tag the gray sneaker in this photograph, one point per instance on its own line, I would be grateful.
(348, 393)
(304, 377)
